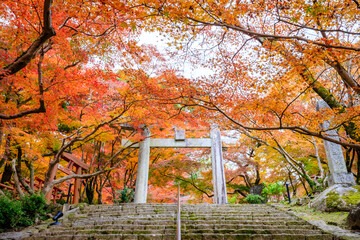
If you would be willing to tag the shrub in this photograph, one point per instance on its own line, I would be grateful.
(21, 213)
(34, 207)
(126, 195)
(233, 199)
(253, 198)
(274, 189)
(11, 213)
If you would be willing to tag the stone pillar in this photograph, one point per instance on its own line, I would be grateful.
(180, 135)
(220, 194)
(334, 154)
(143, 169)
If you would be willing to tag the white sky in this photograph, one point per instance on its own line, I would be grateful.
(161, 43)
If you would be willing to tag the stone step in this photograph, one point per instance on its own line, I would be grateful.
(205, 236)
(185, 222)
(264, 213)
(200, 221)
(265, 210)
(184, 231)
(204, 211)
(173, 217)
(112, 207)
(173, 206)
(190, 226)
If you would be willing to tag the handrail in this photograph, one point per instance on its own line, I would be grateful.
(178, 221)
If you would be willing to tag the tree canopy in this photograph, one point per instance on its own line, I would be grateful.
(74, 73)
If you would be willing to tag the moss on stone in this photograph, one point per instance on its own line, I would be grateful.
(139, 232)
(352, 198)
(81, 206)
(310, 214)
(71, 215)
(241, 237)
(331, 199)
(194, 236)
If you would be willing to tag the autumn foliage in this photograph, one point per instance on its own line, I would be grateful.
(75, 74)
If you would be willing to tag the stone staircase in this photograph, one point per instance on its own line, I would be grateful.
(198, 221)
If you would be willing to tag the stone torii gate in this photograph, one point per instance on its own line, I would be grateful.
(220, 194)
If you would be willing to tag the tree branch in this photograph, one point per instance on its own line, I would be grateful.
(22, 61)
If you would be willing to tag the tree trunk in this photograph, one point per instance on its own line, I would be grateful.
(291, 183)
(30, 166)
(318, 158)
(19, 173)
(295, 164)
(90, 190)
(358, 167)
(6, 177)
(7, 174)
(113, 192)
(1, 133)
(99, 192)
(303, 183)
(16, 179)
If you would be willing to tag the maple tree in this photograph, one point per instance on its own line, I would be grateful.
(58, 92)
(72, 73)
(272, 60)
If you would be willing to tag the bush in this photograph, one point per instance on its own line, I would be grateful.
(274, 189)
(252, 198)
(126, 195)
(233, 199)
(11, 213)
(21, 213)
(34, 207)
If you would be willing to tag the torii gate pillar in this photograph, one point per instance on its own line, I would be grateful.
(219, 183)
(143, 169)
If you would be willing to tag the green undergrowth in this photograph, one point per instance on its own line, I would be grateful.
(331, 218)
(23, 212)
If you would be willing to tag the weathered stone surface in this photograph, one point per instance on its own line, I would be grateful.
(336, 198)
(334, 154)
(300, 201)
(180, 135)
(220, 193)
(353, 219)
(143, 169)
(14, 235)
(341, 178)
(200, 221)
